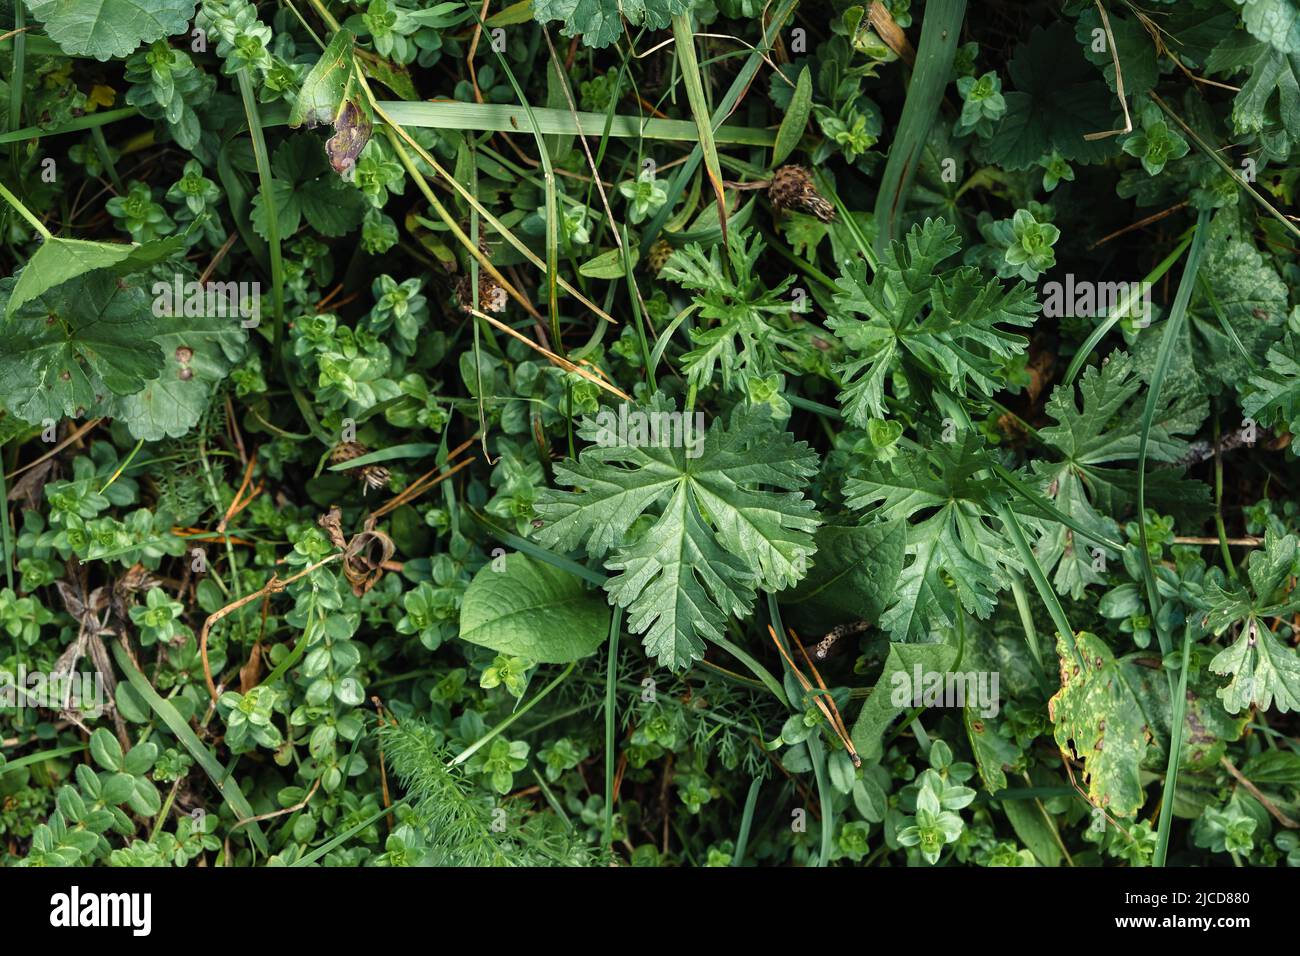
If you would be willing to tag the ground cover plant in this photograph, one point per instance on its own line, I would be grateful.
(670, 433)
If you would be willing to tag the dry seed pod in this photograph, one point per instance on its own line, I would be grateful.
(370, 476)
(792, 189)
(491, 297)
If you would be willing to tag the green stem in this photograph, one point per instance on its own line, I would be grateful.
(1175, 749)
(24, 211)
(611, 693)
(263, 160)
(487, 738)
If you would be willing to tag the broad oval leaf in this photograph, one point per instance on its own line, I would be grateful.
(530, 609)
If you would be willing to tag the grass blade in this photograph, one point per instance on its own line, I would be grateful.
(940, 31)
(228, 788)
(694, 81)
(1173, 328)
(499, 118)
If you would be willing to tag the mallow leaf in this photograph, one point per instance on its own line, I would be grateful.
(104, 29)
(58, 260)
(533, 610)
(692, 529)
(69, 350)
(198, 352)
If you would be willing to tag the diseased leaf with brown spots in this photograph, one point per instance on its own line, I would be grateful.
(1100, 721)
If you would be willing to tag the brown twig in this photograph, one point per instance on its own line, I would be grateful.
(273, 586)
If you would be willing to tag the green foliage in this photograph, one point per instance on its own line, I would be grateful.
(402, 470)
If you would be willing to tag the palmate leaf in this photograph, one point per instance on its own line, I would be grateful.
(1273, 397)
(716, 539)
(67, 351)
(58, 260)
(1105, 430)
(1264, 671)
(306, 188)
(748, 332)
(198, 352)
(599, 22)
(950, 324)
(104, 29)
(94, 346)
(956, 556)
(1056, 97)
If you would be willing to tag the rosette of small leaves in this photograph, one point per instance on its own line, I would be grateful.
(499, 761)
(390, 28)
(1228, 830)
(938, 794)
(562, 755)
(1157, 142)
(166, 85)
(431, 612)
(159, 618)
(76, 831)
(198, 197)
(22, 617)
(1055, 171)
(853, 131)
(139, 214)
(242, 39)
(509, 672)
(1025, 242)
(399, 306)
(250, 719)
(982, 104)
(645, 195)
(378, 175)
